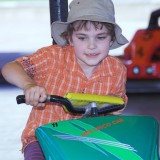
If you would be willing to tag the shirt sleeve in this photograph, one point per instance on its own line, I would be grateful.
(118, 72)
(37, 64)
(120, 85)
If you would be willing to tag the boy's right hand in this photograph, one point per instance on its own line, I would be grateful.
(35, 96)
(14, 73)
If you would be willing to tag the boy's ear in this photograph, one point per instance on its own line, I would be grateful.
(70, 42)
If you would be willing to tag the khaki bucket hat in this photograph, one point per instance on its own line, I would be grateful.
(92, 10)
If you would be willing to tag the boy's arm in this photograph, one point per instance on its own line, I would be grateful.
(14, 73)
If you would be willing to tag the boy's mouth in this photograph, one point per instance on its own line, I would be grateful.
(92, 54)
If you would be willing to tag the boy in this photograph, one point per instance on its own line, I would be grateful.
(79, 63)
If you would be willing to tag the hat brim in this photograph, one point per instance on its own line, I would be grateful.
(57, 28)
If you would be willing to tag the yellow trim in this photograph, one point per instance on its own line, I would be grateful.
(80, 99)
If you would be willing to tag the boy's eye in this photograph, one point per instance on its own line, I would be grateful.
(101, 37)
(82, 38)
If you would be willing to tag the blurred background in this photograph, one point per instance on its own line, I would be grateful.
(25, 24)
(25, 27)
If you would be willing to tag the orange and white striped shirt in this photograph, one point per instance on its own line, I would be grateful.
(55, 68)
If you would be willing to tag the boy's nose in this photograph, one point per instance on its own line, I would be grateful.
(91, 44)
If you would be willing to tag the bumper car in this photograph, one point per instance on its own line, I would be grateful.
(95, 135)
(142, 58)
(142, 55)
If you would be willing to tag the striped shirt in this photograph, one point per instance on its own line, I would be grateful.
(55, 68)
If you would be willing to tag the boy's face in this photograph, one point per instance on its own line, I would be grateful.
(91, 45)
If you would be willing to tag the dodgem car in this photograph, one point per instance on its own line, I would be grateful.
(142, 55)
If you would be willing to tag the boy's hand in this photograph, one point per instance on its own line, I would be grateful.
(35, 95)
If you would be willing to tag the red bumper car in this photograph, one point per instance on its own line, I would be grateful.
(142, 55)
